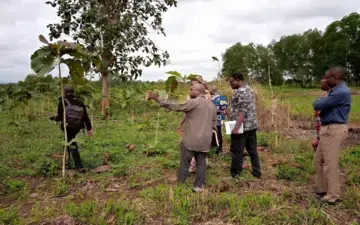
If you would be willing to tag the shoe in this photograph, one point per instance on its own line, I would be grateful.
(329, 201)
(198, 190)
(81, 170)
(318, 193)
(258, 176)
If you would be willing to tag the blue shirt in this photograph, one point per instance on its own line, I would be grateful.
(335, 108)
(221, 104)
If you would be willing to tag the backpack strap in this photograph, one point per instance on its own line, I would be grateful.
(67, 101)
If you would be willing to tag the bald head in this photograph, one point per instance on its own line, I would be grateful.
(213, 90)
(338, 72)
(199, 87)
(197, 90)
(334, 76)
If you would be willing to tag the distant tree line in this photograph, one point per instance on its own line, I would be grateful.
(300, 58)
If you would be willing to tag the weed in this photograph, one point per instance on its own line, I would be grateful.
(298, 169)
(113, 212)
(61, 188)
(351, 198)
(47, 167)
(10, 217)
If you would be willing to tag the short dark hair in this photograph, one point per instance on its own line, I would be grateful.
(69, 90)
(338, 72)
(238, 76)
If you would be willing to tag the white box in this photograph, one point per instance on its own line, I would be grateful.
(229, 126)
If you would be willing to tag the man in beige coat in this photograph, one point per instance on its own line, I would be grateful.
(200, 120)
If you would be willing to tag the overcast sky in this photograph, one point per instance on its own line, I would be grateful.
(196, 30)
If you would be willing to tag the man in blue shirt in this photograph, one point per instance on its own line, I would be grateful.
(335, 109)
(221, 104)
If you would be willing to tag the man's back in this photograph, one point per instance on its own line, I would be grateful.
(74, 101)
(199, 123)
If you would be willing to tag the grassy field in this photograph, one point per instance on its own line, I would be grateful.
(301, 100)
(141, 189)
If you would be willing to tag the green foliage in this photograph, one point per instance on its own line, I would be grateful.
(301, 58)
(298, 56)
(253, 61)
(115, 30)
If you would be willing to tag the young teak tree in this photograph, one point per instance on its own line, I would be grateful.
(117, 30)
(53, 55)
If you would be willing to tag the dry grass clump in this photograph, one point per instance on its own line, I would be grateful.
(271, 115)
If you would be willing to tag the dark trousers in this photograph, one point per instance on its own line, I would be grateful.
(219, 134)
(73, 149)
(220, 139)
(238, 143)
(185, 160)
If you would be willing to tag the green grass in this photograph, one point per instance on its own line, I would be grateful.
(141, 188)
(301, 100)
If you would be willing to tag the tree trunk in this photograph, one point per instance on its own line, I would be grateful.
(105, 104)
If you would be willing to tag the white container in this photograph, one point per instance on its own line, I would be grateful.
(229, 126)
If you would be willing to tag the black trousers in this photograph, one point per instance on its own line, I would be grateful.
(220, 139)
(238, 143)
(73, 149)
(185, 160)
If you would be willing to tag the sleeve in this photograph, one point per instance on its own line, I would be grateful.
(224, 103)
(87, 119)
(179, 107)
(330, 101)
(241, 105)
(214, 118)
(60, 113)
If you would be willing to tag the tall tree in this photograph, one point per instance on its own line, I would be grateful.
(239, 58)
(342, 45)
(117, 30)
(296, 55)
(266, 63)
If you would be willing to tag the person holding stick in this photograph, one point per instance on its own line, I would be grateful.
(76, 119)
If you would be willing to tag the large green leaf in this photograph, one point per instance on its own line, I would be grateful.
(215, 58)
(43, 60)
(174, 73)
(193, 76)
(76, 70)
(171, 84)
(43, 39)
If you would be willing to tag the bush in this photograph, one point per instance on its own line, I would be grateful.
(10, 217)
(47, 167)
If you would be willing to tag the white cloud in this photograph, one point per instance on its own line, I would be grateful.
(196, 30)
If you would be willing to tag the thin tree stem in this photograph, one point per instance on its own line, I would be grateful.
(64, 121)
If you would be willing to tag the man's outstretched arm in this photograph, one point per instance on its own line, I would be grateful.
(177, 107)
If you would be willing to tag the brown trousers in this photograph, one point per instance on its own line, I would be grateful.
(327, 160)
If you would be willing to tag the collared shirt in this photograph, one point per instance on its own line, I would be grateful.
(244, 101)
(221, 104)
(335, 108)
(200, 120)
